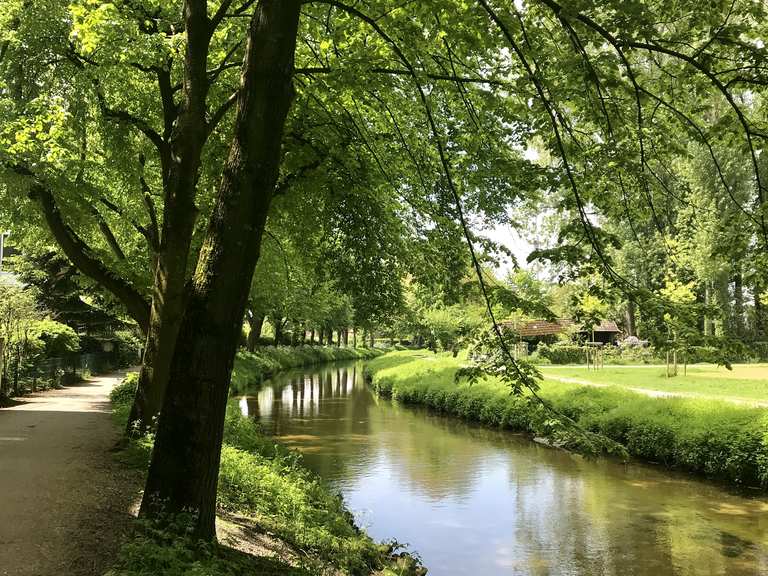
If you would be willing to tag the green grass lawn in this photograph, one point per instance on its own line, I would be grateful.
(748, 382)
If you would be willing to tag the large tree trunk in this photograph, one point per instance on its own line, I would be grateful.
(153, 376)
(256, 323)
(167, 308)
(180, 160)
(183, 472)
(630, 319)
(738, 304)
(277, 322)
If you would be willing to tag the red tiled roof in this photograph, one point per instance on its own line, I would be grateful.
(547, 328)
(606, 326)
(542, 328)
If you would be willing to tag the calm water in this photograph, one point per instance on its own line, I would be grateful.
(486, 503)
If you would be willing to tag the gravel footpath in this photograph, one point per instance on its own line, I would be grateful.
(64, 500)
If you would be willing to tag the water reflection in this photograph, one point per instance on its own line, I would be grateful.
(476, 501)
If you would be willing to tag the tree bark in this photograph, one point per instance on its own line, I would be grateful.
(183, 472)
(277, 322)
(630, 318)
(256, 322)
(180, 158)
(759, 312)
(738, 304)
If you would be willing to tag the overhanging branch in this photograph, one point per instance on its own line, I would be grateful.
(81, 255)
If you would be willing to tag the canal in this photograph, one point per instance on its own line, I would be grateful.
(469, 500)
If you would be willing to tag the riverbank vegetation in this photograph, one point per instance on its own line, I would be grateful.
(265, 488)
(716, 439)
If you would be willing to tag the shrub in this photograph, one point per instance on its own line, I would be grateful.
(124, 392)
(631, 355)
(59, 338)
(121, 397)
(128, 347)
(562, 353)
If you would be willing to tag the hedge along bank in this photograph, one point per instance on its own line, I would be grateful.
(722, 441)
(268, 485)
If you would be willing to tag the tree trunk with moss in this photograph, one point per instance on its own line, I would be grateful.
(183, 472)
(256, 324)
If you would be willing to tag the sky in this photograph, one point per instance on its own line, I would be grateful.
(519, 246)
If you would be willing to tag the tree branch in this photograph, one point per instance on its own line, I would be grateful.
(701, 68)
(309, 71)
(153, 232)
(81, 256)
(218, 116)
(109, 236)
(120, 115)
(138, 227)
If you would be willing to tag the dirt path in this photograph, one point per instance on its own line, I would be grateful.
(662, 393)
(64, 501)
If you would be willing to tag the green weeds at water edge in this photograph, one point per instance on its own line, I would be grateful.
(716, 439)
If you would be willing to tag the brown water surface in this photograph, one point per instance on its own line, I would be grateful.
(484, 502)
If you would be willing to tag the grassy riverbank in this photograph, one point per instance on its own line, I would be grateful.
(713, 438)
(287, 521)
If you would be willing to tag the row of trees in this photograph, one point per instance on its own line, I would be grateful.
(173, 148)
